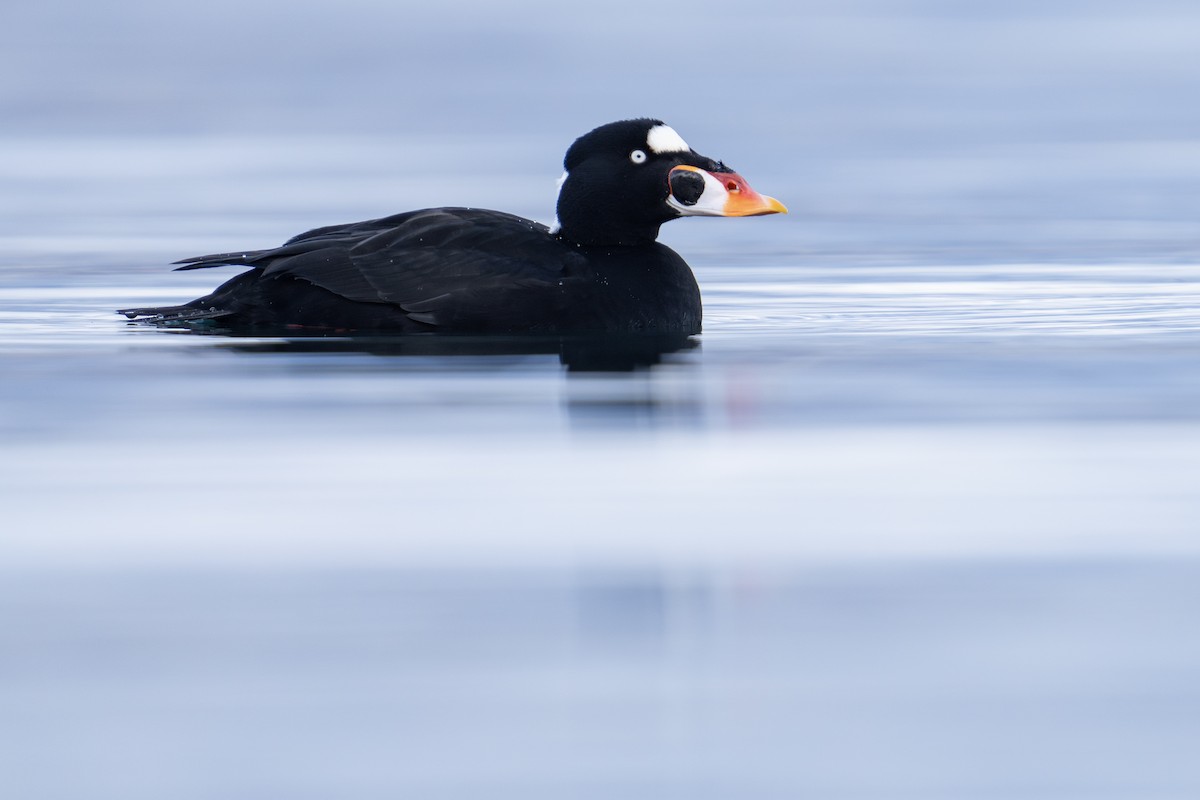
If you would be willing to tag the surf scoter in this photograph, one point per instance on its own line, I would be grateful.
(598, 268)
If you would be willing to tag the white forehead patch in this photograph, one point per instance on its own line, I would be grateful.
(664, 139)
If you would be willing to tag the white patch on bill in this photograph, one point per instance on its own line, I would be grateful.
(711, 202)
(664, 139)
(556, 226)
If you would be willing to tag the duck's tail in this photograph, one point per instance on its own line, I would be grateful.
(166, 314)
(223, 302)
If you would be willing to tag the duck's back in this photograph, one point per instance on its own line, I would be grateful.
(448, 270)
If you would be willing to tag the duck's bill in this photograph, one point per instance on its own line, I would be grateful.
(698, 192)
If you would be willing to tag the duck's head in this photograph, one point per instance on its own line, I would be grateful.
(625, 179)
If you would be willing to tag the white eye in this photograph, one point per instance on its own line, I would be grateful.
(638, 157)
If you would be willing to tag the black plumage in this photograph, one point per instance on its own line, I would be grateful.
(464, 270)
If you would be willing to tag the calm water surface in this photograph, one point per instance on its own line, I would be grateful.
(908, 527)
(916, 517)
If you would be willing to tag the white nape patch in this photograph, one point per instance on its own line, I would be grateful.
(556, 226)
(664, 139)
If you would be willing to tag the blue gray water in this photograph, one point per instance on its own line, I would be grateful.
(917, 516)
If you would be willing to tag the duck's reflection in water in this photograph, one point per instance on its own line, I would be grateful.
(601, 353)
(615, 381)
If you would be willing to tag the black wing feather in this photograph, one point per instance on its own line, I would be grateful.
(446, 267)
